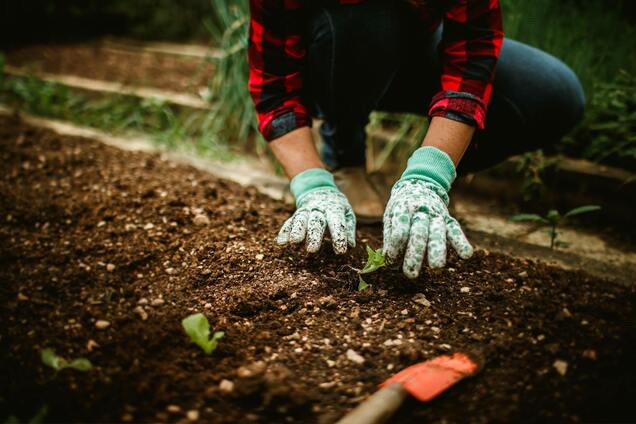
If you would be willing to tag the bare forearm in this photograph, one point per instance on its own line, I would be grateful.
(449, 136)
(296, 152)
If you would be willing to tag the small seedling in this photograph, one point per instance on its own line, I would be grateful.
(554, 219)
(375, 261)
(58, 363)
(197, 328)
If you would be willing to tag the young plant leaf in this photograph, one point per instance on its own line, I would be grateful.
(80, 364)
(553, 216)
(527, 217)
(581, 210)
(58, 363)
(50, 359)
(362, 285)
(197, 328)
(375, 260)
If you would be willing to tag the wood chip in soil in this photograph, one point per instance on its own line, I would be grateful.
(92, 234)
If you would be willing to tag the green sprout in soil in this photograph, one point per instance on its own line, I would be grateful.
(58, 363)
(553, 219)
(375, 261)
(197, 328)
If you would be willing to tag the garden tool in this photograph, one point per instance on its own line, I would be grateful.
(423, 381)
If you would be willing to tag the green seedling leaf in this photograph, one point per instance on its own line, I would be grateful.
(58, 363)
(197, 328)
(553, 216)
(582, 209)
(527, 217)
(375, 260)
(362, 285)
(80, 364)
(50, 359)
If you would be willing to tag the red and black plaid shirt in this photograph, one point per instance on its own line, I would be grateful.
(471, 42)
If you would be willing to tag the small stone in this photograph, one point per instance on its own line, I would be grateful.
(353, 356)
(445, 346)
(169, 271)
(201, 220)
(259, 257)
(420, 299)
(254, 368)
(139, 311)
(110, 267)
(404, 311)
(331, 363)
(101, 324)
(142, 301)
(464, 290)
(590, 354)
(22, 298)
(127, 418)
(149, 226)
(173, 409)
(192, 415)
(561, 367)
(523, 274)
(91, 345)
(157, 302)
(226, 386)
(435, 329)
(509, 280)
(327, 385)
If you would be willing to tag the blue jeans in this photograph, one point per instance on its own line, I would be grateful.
(376, 56)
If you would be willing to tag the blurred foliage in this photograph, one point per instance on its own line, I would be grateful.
(118, 114)
(608, 133)
(233, 118)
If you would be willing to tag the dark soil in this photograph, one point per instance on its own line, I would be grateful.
(99, 62)
(69, 207)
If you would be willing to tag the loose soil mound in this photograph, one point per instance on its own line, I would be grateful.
(90, 233)
(131, 68)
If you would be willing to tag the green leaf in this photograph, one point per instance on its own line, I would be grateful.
(553, 216)
(362, 285)
(197, 328)
(50, 359)
(375, 260)
(80, 364)
(527, 217)
(58, 363)
(582, 209)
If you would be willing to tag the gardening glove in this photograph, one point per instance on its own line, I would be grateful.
(416, 219)
(319, 204)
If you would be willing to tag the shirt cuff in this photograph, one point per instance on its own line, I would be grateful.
(459, 106)
(281, 124)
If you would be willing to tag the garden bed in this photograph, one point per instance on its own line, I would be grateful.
(89, 233)
(100, 61)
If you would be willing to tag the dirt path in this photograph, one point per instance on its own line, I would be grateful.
(89, 233)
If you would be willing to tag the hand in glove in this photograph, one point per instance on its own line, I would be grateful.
(319, 204)
(416, 219)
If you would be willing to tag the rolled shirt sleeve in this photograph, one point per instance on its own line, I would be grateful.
(471, 42)
(276, 54)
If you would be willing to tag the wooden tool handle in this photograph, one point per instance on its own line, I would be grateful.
(379, 407)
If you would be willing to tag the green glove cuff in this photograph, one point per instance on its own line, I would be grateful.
(311, 180)
(433, 165)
